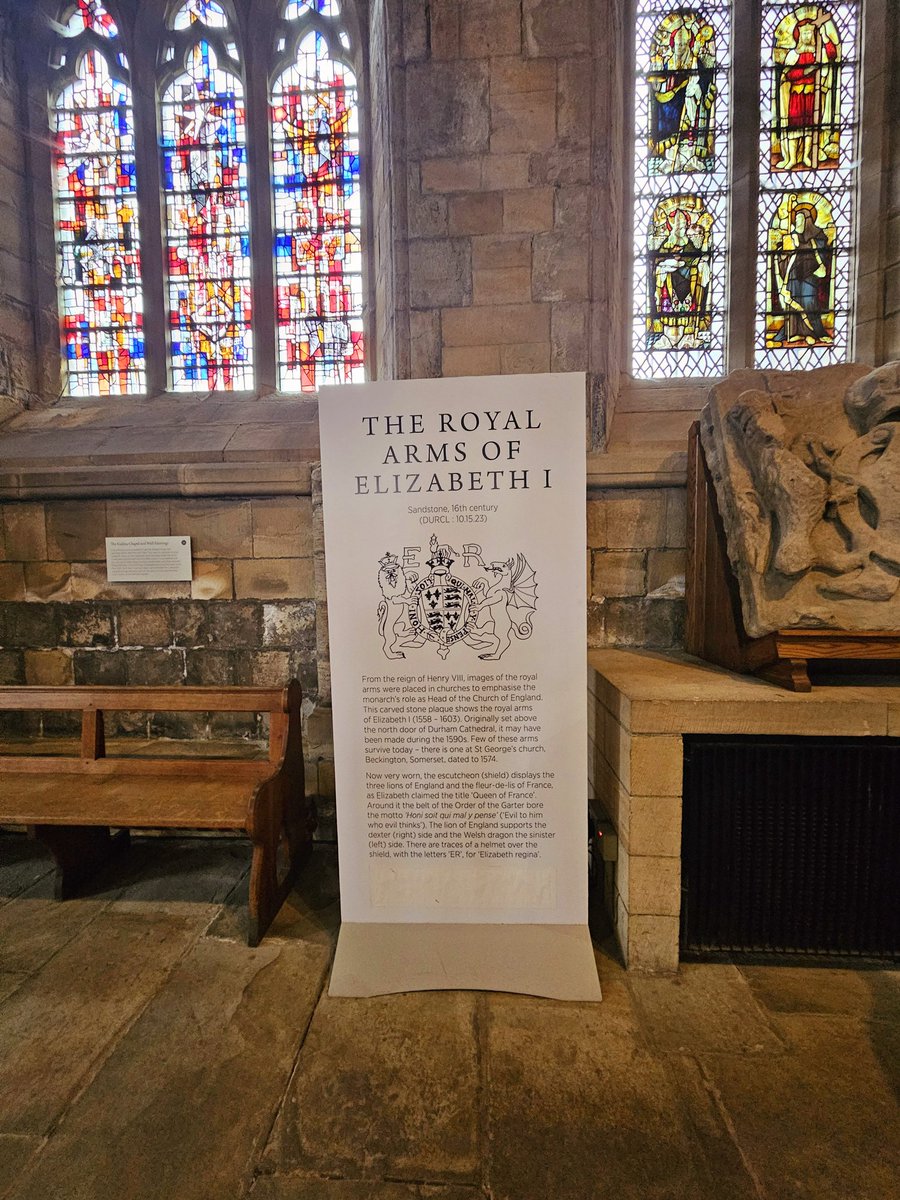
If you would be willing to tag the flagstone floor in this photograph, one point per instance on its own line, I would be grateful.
(146, 1052)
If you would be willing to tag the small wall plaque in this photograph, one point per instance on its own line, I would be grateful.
(148, 559)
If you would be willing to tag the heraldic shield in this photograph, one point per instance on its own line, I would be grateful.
(442, 607)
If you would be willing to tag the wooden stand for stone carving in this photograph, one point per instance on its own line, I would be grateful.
(715, 629)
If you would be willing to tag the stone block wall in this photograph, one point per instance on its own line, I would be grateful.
(636, 566)
(17, 344)
(249, 617)
(502, 147)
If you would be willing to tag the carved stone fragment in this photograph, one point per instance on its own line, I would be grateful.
(806, 468)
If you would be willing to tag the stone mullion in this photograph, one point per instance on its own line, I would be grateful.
(259, 41)
(744, 172)
(150, 200)
(33, 84)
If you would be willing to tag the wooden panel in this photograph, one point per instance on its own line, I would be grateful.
(149, 699)
(187, 770)
(135, 801)
(714, 628)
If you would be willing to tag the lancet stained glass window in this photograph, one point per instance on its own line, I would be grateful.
(807, 184)
(315, 162)
(97, 242)
(203, 136)
(681, 190)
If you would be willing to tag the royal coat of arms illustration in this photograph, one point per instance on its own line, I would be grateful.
(483, 612)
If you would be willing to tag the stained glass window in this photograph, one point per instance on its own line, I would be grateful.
(315, 162)
(97, 242)
(203, 137)
(681, 190)
(207, 12)
(92, 16)
(807, 184)
(298, 8)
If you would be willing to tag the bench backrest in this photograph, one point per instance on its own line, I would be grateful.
(281, 704)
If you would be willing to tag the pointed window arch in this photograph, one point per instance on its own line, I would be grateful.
(316, 180)
(206, 220)
(97, 242)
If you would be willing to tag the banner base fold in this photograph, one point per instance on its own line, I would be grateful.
(376, 959)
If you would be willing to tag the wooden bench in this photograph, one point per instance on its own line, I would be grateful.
(72, 802)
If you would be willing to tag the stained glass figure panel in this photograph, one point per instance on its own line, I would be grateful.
(681, 139)
(681, 86)
(208, 12)
(807, 184)
(679, 324)
(806, 96)
(207, 227)
(804, 279)
(318, 257)
(97, 242)
(90, 15)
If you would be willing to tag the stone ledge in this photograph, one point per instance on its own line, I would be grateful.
(654, 693)
(646, 466)
(214, 447)
(167, 447)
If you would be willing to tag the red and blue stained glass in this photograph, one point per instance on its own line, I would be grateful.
(97, 244)
(298, 8)
(318, 259)
(207, 227)
(90, 16)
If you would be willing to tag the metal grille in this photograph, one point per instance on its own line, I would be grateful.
(791, 846)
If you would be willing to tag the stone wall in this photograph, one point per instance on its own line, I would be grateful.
(17, 345)
(636, 565)
(501, 193)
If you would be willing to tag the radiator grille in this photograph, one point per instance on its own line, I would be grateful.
(791, 846)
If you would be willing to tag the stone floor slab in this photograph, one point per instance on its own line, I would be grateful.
(58, 1023)
(183, 1105)
(704, 1008)
(386, 1086)
(183, 876)
(294, 1187)
(826, 990)
(15, 1152)
(578, 1108)
(36, 927)
(311, 911)
(821, 1120)
(8, 983)
(22, 863)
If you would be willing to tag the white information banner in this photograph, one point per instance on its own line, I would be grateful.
(455, 561)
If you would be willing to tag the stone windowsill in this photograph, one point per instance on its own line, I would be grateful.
(216, 447)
